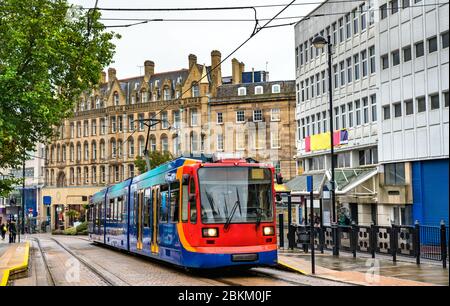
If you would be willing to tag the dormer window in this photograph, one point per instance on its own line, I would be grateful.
(276, 88)
(259, 90)
(242, 91)
(167, 95)
(116, 98)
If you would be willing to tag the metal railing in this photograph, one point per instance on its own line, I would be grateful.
(418, 241)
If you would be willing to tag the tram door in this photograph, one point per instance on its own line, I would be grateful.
(154, 218)
(139, 225)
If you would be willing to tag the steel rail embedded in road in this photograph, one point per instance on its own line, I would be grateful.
(44, 259)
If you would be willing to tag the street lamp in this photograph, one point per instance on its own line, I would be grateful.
(319, 42)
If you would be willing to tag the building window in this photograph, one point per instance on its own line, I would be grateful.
(258, 90)
(394, 7)
(444, 40)
(419, 49)
(356, 63)
(355, 21)
(312, 86)
(194, 117)
(324, 82)
(102, 126)
(164, 144)
(242, 91)
(274, 140)
(141, 122)
(350, 114)
(432, 44)
(395, 58)
(336, 118)
(342, 160)
(421, 105)
(240, 117)
(368, 157)
(434, 101)
(72, 130)
(385, 61)
(349, 70)
(164, 120)
(341, 30)
(336, 76)
(257, 115)
(373, 102)
(130, 123)
(383, 11)
(131, 147)
(409, 107)
(195, 90)
(343, 117)
(358, 112)
(405, 3)
(365, 110)
(116, 98)
(219, 118)
(152, 126)
(220, 142)
(394, 174)
(342, 69)
(334, 30)
(276, 88)
(407, 54)
(275, 114)
(387, 112)
(166, 93)
(348, 27)
(446, 99)
(364, 62)
(397, 110)
(362, 11)
(372, 59)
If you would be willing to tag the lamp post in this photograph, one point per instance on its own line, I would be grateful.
(319, 42)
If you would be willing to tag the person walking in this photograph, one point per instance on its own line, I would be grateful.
(3, 230)
(12, 232)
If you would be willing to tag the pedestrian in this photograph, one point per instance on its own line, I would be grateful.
(12, 232)
(316, 221)
(3, 230)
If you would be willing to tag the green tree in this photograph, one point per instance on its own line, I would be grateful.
(156, 158)
(50, 52)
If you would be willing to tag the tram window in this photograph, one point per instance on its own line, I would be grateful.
(109, 210)
(192, 204)
(119, 209)
(192, 186)
(174, 202)
(185, 203)
(164, 204)
(100, 215)
(147, 199)
(136, 208)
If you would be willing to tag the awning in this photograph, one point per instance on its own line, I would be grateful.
(348, 179)
(298, 184)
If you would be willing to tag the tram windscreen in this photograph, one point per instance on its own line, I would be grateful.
(235, 194)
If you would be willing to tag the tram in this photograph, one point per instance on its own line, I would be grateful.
(194, 213)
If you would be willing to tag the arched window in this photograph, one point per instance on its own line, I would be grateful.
(52, 154)
(46, 177)
(152, 143)
(102, 149)
(194, 142)
(86, 175)
(195, 90)
(86, 150)
(176, 143)
(113, 148)
(78, 151)
(130, 147)
(94, 150)
(72, 152)
(78, 175)
(141, 145)
(63, 152)
(98, 103)
(72, 176)
(52, 177)
(58, 153)
(164, 143)
(94, 174)
(119, 148)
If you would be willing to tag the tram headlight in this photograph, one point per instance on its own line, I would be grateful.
(210, 232)
(268, 231)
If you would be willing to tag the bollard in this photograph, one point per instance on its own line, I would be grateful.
(353, 237)
(417, 241)
(394, 242)
(372, 239)
(443, 245)
(334, 228)
(281, 229)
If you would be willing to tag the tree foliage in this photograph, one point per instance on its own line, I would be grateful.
(50, 52)
(156, 158)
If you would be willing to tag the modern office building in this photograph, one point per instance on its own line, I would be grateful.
(390, 108)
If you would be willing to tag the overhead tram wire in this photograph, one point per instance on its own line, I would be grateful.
(140, 21)
(225, 8)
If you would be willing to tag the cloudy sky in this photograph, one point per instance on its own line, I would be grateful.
(169, 43)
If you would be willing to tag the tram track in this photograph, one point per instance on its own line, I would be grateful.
(49, 274)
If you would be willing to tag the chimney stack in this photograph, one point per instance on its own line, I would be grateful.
(192, 60)
(149, 67)
(102, 77)
(111, 75)
(216, 74)
(237, 69)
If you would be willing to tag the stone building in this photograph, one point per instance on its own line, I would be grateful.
(98, 145)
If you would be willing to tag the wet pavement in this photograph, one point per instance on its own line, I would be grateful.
(425, 272)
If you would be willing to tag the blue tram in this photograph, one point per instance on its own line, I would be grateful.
(191, 213)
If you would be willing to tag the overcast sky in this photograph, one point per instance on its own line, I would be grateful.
(169, 43)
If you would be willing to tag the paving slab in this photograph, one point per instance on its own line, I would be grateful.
(364, 272)
(13, 260)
